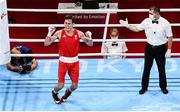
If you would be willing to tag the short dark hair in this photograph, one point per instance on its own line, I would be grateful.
(68, 17)
(156, 9)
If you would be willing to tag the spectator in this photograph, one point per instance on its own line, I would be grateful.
(22, 65)
(114, 46)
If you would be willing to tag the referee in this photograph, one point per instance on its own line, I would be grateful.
(158, 32)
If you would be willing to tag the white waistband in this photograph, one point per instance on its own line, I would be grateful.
(68, 59)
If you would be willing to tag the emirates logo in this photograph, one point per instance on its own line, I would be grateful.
(3, 15)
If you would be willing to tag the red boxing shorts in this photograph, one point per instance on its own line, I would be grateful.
(71, 68)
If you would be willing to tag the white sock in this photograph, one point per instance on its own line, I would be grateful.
(55, 91)
(69, 88)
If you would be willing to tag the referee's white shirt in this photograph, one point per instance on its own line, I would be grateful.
(156, 34)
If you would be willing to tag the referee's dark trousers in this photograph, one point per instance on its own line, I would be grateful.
(157, 53)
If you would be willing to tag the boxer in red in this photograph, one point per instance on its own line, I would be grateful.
(69, 41)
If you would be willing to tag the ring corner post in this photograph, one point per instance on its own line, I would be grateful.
(4, 34)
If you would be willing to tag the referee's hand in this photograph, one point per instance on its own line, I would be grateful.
(168, 53)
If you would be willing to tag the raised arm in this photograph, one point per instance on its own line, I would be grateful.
(51, 38)
(127, 25)
(87, 37)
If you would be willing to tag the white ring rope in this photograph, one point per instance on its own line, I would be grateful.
(89, 10)
(84, 25)
(76, 25)
(87, 54)
(94, 40)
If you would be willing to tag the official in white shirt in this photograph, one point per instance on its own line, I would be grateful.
(114, 46)
(158, 32)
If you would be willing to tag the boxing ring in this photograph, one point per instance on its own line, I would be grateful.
(104, 85)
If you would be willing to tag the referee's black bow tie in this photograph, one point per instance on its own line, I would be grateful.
(154, 21)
